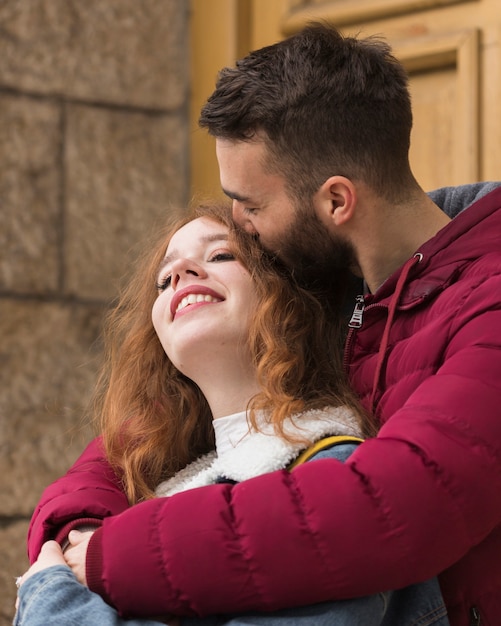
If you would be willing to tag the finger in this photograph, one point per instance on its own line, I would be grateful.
(51, 548)
(75, 537)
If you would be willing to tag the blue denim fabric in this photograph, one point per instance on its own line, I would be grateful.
(55, 597)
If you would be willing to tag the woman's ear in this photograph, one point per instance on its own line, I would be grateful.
(335, 201)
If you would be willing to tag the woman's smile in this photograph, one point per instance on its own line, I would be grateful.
(189, 296)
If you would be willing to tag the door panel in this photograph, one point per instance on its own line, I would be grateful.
(444, 86)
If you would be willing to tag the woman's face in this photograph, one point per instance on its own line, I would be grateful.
(205, 296)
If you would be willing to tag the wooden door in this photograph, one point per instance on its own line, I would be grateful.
(451, 48)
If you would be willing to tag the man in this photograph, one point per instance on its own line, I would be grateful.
(312, 140)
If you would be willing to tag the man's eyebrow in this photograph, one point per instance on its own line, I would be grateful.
(235, 196)
(204, 239)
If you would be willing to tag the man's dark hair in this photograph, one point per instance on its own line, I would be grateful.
(325, 105)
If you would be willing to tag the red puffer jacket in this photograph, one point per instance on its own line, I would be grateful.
(434, 382)
(421, 498)
(86, 494)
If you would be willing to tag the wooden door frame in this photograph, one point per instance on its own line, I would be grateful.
(222, 31)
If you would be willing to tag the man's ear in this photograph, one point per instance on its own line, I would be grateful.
(336, 200)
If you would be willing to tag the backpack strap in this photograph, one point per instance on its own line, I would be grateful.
(322, 444)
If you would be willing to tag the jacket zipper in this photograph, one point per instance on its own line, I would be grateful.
(358, 313)
(474, 617)
(355, 323)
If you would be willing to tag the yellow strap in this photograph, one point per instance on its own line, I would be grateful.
(321, 444)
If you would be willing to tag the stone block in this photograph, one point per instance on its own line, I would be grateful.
(13, 563)
(48, 357)
(123, 170)
(119, 51)
(30, 140)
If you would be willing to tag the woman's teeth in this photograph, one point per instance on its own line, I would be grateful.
(193, 298)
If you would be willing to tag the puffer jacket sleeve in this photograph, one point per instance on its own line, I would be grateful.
(424, 492)
(325, 531)
(86, 494)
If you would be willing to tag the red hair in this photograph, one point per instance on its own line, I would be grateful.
(154, 420)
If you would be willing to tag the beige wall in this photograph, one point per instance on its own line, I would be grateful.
(93, 149)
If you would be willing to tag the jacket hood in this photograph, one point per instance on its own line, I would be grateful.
(473, 233)
(437, 263)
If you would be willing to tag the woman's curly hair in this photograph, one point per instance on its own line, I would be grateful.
(154, 420)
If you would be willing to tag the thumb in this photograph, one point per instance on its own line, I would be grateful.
(51, 548)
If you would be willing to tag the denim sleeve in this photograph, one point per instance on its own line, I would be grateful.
(54, 596)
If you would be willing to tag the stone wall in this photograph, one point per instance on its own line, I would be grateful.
(93, 150)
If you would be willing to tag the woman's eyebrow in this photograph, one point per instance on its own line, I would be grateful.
(169, 258)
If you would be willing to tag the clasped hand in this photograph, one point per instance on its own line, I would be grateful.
(76, 553)
(74, 556)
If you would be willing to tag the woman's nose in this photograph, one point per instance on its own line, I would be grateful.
(184, 270)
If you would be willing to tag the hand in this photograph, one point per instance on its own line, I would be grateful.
(50, 554)
(75, 555)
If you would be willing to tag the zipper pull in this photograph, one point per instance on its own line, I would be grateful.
(358, 311)
(475, 617)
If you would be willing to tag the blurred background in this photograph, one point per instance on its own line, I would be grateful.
(99, 101)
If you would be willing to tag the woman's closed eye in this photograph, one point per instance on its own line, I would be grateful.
(222, 256)
(163, 282)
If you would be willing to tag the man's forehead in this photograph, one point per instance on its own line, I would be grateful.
(255, 147)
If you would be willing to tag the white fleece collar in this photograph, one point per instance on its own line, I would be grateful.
(243, 453)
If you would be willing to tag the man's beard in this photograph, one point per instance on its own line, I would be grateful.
(318, 260)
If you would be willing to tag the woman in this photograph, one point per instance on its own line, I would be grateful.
(212, 346)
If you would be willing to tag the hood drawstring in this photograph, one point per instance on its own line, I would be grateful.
(391, 314)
